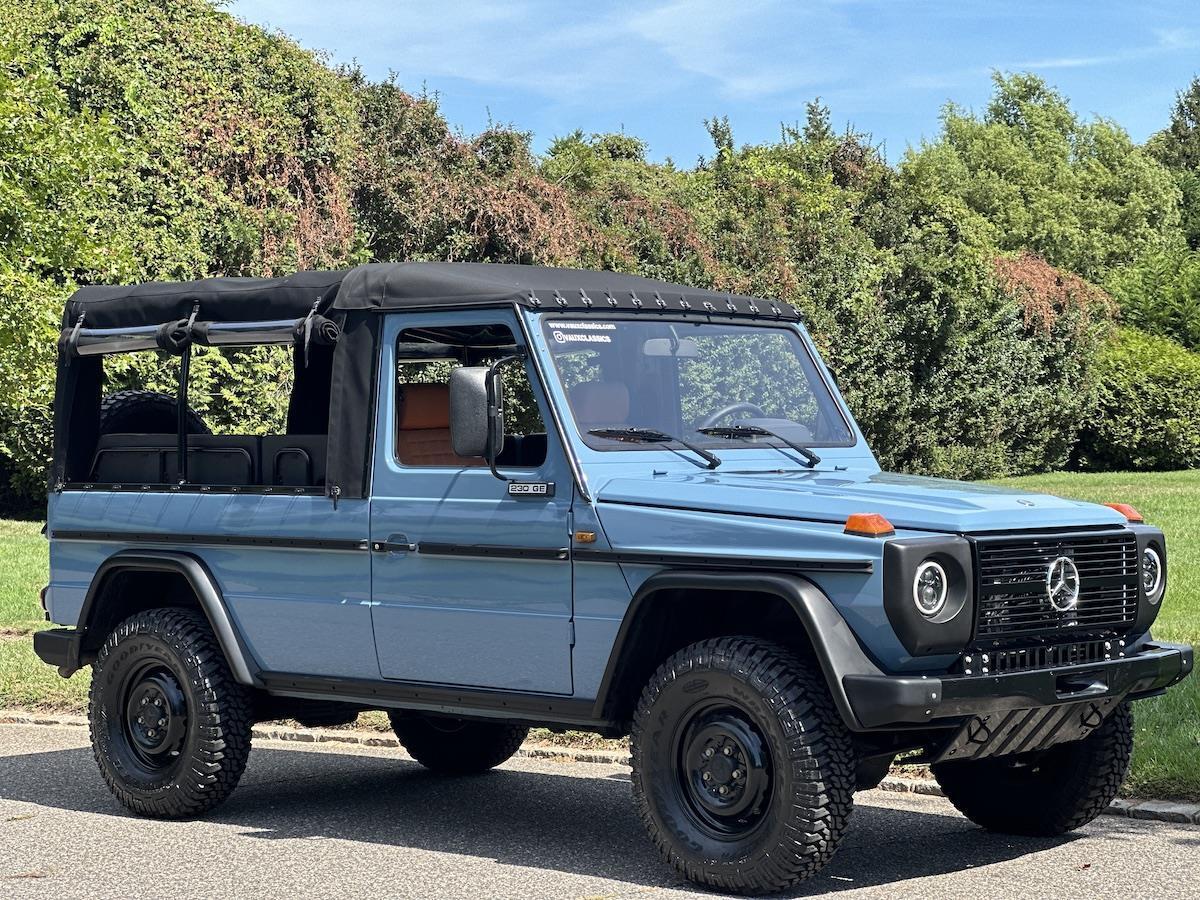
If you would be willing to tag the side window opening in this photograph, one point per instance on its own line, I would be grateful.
(425, 358)
(257, 417)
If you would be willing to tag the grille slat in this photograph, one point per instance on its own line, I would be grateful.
(1013, 596)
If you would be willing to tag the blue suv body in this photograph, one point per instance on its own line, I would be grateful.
(509, 496)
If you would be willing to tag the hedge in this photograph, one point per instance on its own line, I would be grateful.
(1148, 415)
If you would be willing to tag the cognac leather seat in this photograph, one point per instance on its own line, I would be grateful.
(423, 428)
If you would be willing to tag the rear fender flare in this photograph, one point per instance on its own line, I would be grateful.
(212, 602)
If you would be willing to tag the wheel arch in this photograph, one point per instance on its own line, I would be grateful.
(179, 574)
(675, 608)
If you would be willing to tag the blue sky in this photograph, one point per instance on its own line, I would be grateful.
(658, 68)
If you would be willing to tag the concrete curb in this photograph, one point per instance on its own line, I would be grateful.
(1146, 810)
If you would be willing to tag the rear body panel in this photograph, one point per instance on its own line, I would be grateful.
(299, 608)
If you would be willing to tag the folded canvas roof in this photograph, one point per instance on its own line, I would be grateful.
(399, 286)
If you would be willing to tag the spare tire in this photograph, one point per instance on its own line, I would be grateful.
(145, 412)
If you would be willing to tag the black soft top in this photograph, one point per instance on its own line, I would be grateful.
(400, 286)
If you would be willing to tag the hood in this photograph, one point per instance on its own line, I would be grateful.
(909, 502)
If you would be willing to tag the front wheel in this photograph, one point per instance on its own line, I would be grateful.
(743, 773)
(170, 727)
(1046, 793)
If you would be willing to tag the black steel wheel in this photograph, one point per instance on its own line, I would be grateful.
(451, 746)
(170, 727)
(1046, 793)
(725, 770)
(743, 773)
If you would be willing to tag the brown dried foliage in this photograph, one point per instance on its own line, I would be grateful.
(1046, 293)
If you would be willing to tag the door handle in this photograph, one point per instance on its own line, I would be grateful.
(395, 543)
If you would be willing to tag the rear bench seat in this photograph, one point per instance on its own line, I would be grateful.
(216, 459)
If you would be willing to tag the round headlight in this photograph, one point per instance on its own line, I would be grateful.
(1152, 573)
(930, 587)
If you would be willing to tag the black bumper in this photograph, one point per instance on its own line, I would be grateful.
(879, 701)
(58, 647)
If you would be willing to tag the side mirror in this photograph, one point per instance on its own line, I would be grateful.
(476, 412)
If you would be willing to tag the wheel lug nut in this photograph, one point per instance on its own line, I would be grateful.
(708, 753)
(150, 733)
(162, 722)
(707, 777)
(728, 751)
(157, 702)
(737, 773)
(723, 790)
(144, 701)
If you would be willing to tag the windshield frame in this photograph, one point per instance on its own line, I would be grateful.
(818, 375)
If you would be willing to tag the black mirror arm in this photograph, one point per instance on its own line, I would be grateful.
(496, 410)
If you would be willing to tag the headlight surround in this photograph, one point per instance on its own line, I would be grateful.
(941, 621)
(1152, 574)
(1151, 546)
(931, 587)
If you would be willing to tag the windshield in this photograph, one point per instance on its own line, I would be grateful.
(686, 379)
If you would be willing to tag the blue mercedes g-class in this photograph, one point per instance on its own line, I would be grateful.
(507, 496)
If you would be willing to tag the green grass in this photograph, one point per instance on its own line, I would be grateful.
(23, 562)
(1166, 760)
(26, 681)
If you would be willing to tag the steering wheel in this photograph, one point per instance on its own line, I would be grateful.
(711, 420)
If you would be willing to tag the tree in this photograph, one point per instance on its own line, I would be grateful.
(1178, 148)
(1080, 194)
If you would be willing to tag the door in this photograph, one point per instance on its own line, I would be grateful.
(471, 582)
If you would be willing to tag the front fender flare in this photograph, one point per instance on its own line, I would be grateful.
(836, 647)
(212, 602)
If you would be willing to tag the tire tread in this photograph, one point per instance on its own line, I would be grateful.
(222, 719)
(820, 753)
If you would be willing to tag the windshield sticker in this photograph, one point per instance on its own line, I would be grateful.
(586, 326)
(566, 337)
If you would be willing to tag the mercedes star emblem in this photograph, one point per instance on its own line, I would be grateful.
(1062, 583)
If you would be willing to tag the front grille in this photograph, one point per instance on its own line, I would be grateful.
(1014, 598)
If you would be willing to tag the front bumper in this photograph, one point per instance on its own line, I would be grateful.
(880, 701)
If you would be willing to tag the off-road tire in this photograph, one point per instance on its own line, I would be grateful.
(1045, 794)
(213, 733)
(145, 412)
(457, 746)
(782, 839)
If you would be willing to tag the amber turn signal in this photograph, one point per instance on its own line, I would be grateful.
(1127, 511)
(868, 525)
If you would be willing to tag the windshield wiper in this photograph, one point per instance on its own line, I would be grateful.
(651, 436)
(733, 432)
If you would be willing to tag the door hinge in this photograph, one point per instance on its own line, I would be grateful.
(571, 631)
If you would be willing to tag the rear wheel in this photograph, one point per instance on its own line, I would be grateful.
(457, 746)
(743, 773)
(1047, 793)
(170, 727)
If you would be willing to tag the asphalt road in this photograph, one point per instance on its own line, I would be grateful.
(321, 821)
